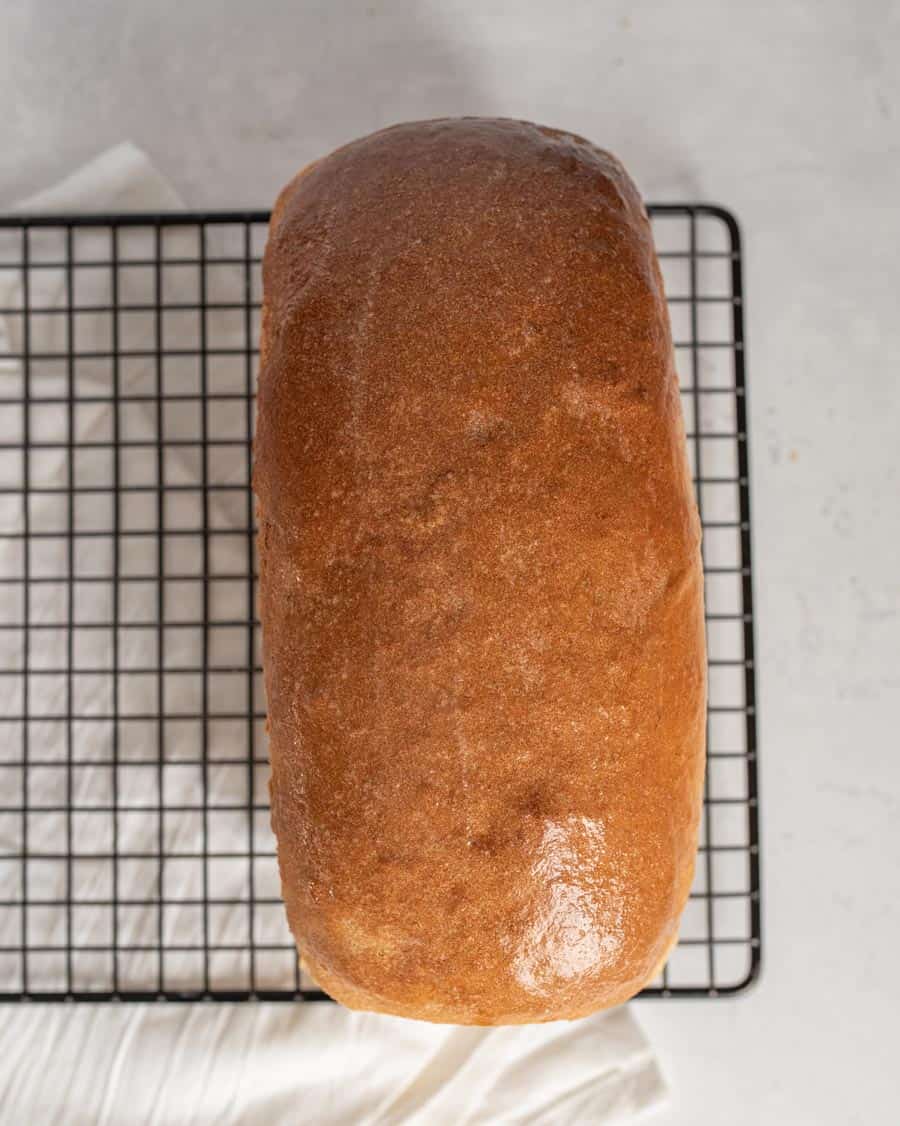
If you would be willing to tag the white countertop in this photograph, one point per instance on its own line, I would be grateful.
(789, 114)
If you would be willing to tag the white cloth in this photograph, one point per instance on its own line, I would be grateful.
(250, 1063)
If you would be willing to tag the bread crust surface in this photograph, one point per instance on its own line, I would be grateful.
(481, 588)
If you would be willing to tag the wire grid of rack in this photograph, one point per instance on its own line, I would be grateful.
(136, 857)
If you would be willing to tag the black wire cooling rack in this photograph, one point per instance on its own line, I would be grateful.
(136, 858)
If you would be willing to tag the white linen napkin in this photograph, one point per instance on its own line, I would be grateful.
(258, 1064)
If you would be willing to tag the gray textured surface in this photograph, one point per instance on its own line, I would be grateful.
(788, 114)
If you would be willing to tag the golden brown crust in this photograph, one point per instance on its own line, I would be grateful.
(481, 588)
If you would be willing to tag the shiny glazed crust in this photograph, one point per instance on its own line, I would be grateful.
(481, 587)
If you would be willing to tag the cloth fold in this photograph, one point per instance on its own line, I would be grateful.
(257, 1064)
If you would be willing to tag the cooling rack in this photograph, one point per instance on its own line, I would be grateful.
(136, 858)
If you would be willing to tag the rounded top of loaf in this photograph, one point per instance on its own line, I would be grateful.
(480, 580)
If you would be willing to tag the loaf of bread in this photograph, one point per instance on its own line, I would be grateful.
(480, 579)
